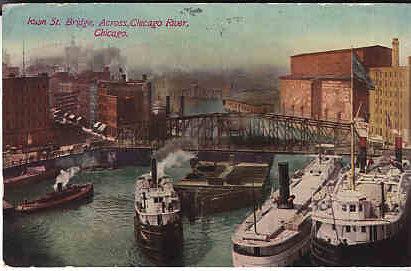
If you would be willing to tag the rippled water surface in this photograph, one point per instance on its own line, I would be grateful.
(101, 233)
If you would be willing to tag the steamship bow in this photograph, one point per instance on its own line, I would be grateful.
(158, 225)
(363, 222)
(69, 194)
(278, 234)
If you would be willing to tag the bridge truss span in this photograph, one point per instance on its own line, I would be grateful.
(272, 131)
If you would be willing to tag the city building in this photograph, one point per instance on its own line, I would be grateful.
(77, 93)
(251, 101)
(390, 100)
(319, 85)
(26, 118)
(67, 98)
(123, 104)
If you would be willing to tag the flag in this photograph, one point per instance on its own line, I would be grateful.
(359, 71)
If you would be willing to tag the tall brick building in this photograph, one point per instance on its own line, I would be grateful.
(77, 93)
(26, 118)
(123, 104)
(390, 110)
(320, 83)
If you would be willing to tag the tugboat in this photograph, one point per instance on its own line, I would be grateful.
(68, 194)
(279, 233)
(362, 220)
(158, 225)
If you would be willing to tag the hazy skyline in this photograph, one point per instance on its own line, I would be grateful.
(267, 34)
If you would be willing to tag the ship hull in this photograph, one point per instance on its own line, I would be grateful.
(287, 257)
(160, 243)
(387, 252)
(84, 194)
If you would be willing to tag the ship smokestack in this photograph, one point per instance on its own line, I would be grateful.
(59, 187)
(154, 171)
(181, 105)
(382, 207)
(167, 106)
(398, 149)
(284, 180)
(362, 154)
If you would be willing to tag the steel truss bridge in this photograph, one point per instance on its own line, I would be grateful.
(266, 131)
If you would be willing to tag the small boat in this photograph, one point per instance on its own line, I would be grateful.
(69, 194)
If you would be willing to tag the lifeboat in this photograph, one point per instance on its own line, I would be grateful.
(72, 193)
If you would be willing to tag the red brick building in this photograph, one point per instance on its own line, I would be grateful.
(26, 118)
(123, 104)
(320, 83)
(77, 93)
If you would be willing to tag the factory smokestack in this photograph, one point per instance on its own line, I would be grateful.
(395, 55)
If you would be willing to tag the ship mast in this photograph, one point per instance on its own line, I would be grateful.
(352, 121)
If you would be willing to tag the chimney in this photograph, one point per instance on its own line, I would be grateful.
(284, 180)
(395, 62)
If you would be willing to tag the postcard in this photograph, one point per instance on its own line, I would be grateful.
(206, 135)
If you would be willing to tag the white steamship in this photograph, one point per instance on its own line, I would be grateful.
(361, 221)
(158, 225)
(279, 233)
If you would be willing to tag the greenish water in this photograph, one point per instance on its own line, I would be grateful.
(101, 233)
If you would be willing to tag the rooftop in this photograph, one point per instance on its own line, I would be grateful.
(254, 97)
(341, 50)
(308, 77)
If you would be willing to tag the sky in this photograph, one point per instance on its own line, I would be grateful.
(264, 34)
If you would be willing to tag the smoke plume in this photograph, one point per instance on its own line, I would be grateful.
(65, 176)
(174, 159)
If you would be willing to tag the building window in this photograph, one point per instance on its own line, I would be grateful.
(360, 207)
(363, 229)
(347, 229)
(352, 208)
(344, 208)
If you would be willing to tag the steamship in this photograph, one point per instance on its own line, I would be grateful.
(158, 225)
(361, 220)
(278, 234)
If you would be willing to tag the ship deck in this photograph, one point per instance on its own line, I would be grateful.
(275, 225)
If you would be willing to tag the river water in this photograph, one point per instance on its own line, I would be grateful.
(101, 233)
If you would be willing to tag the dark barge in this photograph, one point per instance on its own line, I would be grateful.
(222, 186)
